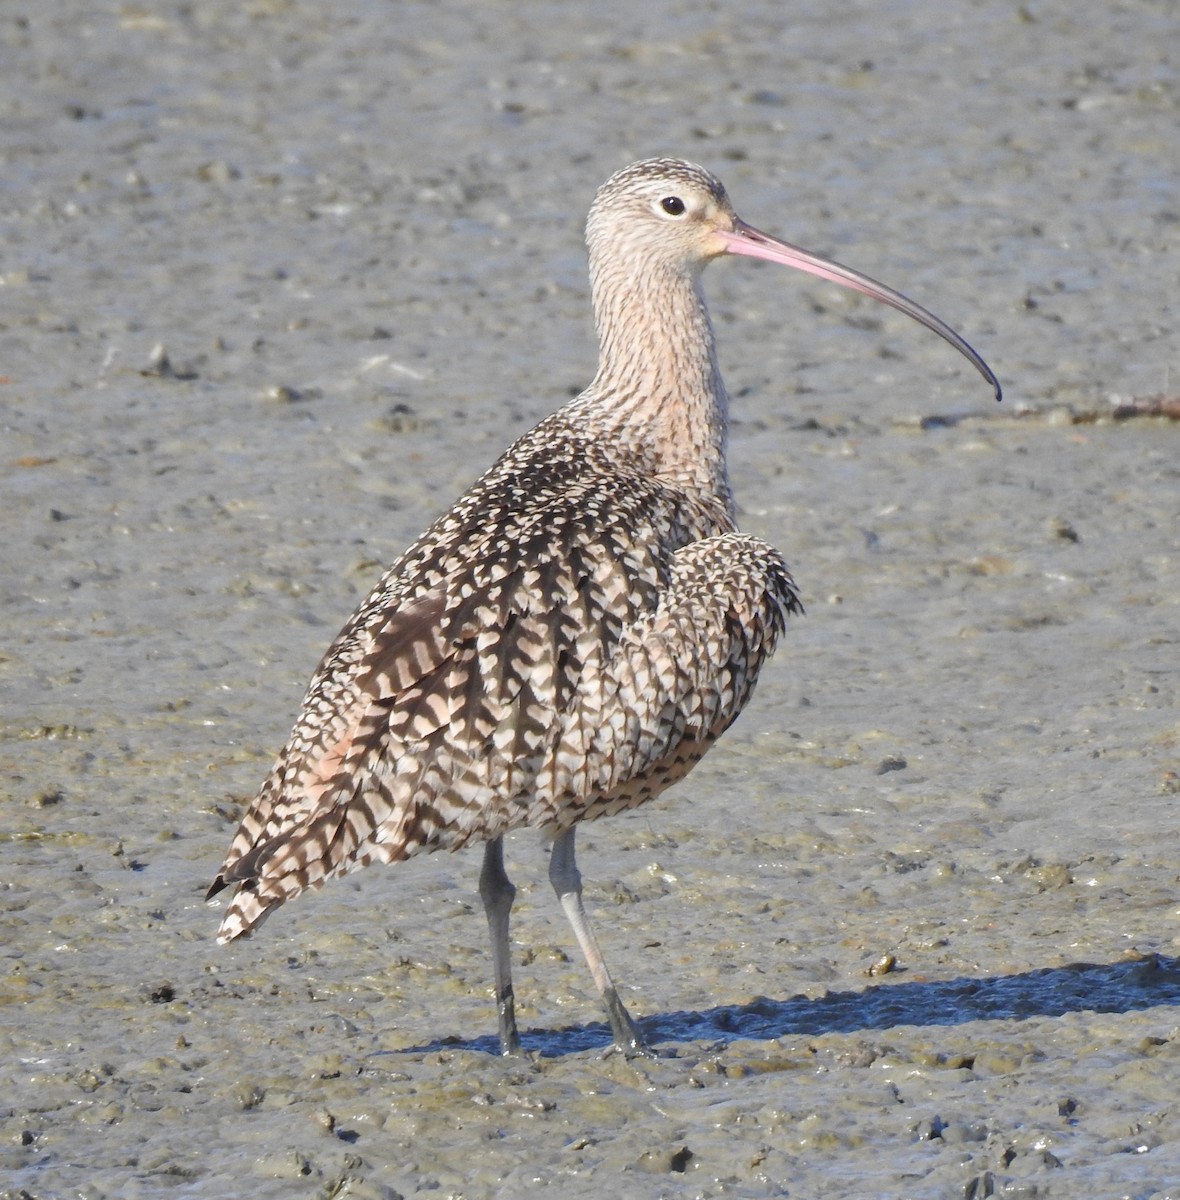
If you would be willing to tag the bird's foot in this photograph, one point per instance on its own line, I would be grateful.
(509, 1037)
(629, 1039)
(633, 1051)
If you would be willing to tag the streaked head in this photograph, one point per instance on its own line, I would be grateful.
(662, 209)
(675, 215)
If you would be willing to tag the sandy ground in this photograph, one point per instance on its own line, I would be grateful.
(280, 278)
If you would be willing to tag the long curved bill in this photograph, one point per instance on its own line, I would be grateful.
(753, 243)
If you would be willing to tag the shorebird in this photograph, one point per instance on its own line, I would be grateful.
(572, 635)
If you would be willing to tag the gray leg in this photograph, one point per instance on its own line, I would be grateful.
(567, 883)
(497, 893)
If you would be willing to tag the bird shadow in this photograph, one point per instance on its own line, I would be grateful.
(1123, 986)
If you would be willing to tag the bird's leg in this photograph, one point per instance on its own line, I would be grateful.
(567, 883)
(497, 892)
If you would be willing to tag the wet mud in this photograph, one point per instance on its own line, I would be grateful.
(278, 280)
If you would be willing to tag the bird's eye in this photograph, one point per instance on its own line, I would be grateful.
(673, 206)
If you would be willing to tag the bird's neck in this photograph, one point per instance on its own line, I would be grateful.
(658, 392)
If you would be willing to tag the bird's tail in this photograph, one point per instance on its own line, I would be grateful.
(247, 910)
(280, 867)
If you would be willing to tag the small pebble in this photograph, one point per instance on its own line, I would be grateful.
(1059, 527)
(218, 172)
(280, 394)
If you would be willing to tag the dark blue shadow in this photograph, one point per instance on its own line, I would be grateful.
(1049, 992)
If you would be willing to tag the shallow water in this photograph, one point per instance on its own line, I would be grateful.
(355, 234)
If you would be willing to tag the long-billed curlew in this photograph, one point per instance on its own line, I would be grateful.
(576, 631)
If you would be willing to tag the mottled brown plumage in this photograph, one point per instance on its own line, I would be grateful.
(575, 632)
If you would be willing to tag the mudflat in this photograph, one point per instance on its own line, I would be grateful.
(278, 280)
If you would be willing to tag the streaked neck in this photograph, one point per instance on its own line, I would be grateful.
(658, 391)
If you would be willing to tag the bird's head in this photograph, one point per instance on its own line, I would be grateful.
(664, 212)
(666, 215)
